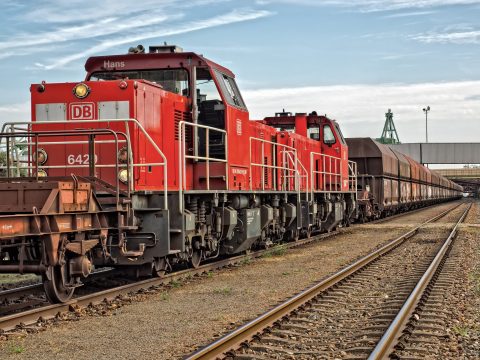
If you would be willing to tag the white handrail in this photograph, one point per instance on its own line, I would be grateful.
(262, 166)
(334, 174)
(297, 175)
(13, 125)
(352, 176)
(182, 157)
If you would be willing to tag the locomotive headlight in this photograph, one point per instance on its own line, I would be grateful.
(122, 155)
(41, 156)
(81, 91)
(123, 176)
(41, 173)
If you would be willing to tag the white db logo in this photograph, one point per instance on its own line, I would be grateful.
(82, 111)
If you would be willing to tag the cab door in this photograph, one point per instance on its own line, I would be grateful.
(335, 160)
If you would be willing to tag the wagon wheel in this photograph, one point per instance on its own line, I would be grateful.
(54, 284)
(309, 232)
(160, 266)
(196, 258)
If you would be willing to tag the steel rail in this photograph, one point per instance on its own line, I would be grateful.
(391, 336)
(20, 291)
(37, 289)
(233, 340)
(409, 212)
(30, 317)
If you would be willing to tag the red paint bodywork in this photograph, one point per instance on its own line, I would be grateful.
(160, 112)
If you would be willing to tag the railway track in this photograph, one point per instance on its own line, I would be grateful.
(29, 304)
(369, 308)
(48, 311)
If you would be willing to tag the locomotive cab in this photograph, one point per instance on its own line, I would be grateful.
(332, 148)
(217, 111)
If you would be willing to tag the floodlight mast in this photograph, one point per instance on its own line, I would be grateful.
(426, 110)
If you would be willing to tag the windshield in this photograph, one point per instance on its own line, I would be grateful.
(339, 132)
(230, 90)
(328, 137)
(173, 80)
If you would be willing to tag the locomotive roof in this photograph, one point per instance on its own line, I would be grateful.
(150, 61)
(290, 119)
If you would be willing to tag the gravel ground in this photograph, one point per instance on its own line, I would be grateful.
(349, 319)
(171, 322)
(447, 325)
(422, 215)
(465, 322)
(473, 216)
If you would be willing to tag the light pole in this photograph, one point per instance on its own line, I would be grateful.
(426, 110)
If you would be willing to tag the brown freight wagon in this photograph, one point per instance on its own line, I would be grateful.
(390, 182)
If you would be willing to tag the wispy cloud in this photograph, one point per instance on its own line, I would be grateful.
(103, 27)
(409, 14)
(360, 108)
(377, 5)
(391, 57)
(234, 16)
(62, 12)
(454, 37)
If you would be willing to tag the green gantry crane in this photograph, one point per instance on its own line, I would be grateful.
(389, 134)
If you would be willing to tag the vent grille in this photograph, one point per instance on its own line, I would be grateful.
(182, 116)
(265, 171)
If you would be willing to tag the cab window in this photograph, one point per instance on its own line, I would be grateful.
(314, 133)
(230, 90)
(206, 88)
(328, 136)
(173, 80)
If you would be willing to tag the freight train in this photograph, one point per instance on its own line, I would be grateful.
(152, 161)
(390, 182)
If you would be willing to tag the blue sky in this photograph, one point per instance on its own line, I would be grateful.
(350, 59)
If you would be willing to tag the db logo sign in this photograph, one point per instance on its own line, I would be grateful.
(82, 111)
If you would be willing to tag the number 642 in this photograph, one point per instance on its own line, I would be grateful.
(80, 159)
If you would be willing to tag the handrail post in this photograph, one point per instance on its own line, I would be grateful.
(274, 169)
(324, 175)
(226, 160)
(91, 155)
(314, 185)
(250, 157)
(207, 153)
(35, 156)
(263, 168)
(181, 161)
(8, 157)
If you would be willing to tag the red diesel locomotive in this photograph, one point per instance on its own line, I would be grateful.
(152, 161)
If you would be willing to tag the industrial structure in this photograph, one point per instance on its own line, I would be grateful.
(389, 133)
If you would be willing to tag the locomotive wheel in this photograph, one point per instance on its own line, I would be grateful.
(159, 267)
(309, 232)
(53, 283)
(196, 258)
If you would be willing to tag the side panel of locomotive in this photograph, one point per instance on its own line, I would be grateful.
(157, 111)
